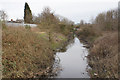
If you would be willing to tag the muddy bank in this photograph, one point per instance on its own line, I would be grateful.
(85, 42)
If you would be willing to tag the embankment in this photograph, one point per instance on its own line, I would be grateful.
(103, 52)
(26, 53)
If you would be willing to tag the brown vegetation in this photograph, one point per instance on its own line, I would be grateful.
(24, 53)
(29, 51)
(47, 20)
(102, 36)
(104, 56)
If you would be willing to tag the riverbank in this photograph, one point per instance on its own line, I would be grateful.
(28, 53)
(101, 37)
(103, 55)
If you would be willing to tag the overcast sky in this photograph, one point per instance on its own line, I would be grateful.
(74, 10)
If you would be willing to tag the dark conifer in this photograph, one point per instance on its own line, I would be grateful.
(27, 14)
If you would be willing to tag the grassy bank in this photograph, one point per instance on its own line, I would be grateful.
(27, 52)
(101, 37)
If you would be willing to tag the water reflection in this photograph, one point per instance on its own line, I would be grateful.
(73, 62)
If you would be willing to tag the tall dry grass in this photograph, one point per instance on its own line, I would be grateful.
(104, 56)
(102, 36)
(24, 53)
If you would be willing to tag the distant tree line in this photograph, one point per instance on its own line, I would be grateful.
(106, 21)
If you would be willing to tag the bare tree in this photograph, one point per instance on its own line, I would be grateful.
(48, 20)
(3, 15)
(107, 20)
(36, 19)
(81, 22)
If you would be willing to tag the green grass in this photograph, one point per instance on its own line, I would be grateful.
(62, 38)
(44, 35)
(55, 45)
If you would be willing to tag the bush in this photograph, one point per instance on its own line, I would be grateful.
(88, 33)
(27, 27)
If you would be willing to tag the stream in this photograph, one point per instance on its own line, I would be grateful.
(73, 62)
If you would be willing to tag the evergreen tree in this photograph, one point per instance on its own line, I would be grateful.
(27, 14)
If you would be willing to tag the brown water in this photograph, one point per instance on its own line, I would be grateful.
(72, 62)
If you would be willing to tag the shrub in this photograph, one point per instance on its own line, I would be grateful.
(27, 27)
(88, 33)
